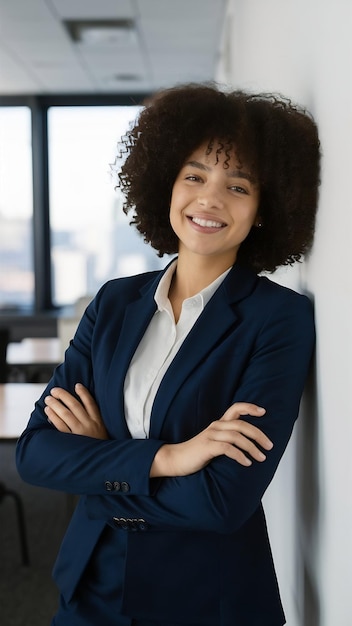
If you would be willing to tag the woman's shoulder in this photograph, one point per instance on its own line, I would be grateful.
(244, 285)
(270, 289)
(285, 309)
(136, 281)
(127, 287)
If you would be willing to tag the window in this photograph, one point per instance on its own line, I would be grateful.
(73, 236)
(16, 209)
(91, 239)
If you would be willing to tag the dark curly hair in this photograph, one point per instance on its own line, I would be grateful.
(276, 140)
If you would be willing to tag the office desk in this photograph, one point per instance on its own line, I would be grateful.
(33, 360)
(16, 404)
(34, 352)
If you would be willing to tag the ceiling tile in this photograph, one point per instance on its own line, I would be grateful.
(93, 9)
(176, 41)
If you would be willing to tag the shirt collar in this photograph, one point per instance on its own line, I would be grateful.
(161, 294)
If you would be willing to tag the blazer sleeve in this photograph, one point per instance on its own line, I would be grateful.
(73, 463)
(223, 495)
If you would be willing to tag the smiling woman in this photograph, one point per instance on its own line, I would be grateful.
(275, 142)
(181, 387)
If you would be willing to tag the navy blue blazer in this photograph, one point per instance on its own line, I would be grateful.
(201, 553)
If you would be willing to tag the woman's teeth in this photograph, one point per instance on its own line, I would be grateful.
(207, 223)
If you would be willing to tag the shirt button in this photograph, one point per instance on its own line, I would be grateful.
(125, 487)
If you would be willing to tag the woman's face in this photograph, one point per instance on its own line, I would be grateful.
(214, 205)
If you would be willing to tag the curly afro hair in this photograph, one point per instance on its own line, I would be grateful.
(275, 139)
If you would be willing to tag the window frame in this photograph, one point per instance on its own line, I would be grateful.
(39, 106)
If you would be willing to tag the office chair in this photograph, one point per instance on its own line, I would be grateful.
(4, 491)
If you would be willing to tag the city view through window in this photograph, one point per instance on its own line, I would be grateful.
(16, 208)
(91, 239)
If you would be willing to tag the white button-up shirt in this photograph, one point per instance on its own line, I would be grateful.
(158, 347)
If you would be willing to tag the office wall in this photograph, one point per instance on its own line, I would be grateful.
(302, 48)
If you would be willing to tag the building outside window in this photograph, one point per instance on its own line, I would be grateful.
(91, 239)
(16, 209)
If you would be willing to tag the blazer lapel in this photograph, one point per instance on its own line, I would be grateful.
(137, 316)
(214, 322)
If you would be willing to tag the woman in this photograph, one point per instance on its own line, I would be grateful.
(180, 389)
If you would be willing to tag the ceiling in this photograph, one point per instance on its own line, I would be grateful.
(171, 41)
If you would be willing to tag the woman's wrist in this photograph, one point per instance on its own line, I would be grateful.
(168, 461)
(160, 466)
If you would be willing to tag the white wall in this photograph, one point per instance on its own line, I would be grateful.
(303, 49)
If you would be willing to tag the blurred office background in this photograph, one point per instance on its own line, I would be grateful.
(73, 73)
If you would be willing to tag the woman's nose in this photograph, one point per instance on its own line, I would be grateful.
(210, 197)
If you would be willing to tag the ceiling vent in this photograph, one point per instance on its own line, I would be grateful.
(102, 32)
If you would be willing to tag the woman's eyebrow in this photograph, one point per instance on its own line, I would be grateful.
(241, 174)
(200, 166)
(231, 173)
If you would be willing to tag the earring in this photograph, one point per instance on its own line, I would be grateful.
(259, 225)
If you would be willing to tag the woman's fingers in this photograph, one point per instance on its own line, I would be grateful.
(66, 408)
(237, 455)
(242, 448)
(242, 408)
(231, 431)
(68, 414)
(87, 400)
(238, 440)
(56, 421)
(241, 434)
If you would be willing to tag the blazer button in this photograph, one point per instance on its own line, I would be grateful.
(117, 522)
(108, 486)
(125, 487)
(120, 522)
(133, 525)
(142, 524)
(116, 485)
(124, 523)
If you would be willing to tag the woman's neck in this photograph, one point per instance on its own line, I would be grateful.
(190, 277)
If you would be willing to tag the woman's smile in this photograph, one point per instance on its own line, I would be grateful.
(206, 224)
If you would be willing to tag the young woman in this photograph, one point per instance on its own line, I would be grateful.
(180, 389)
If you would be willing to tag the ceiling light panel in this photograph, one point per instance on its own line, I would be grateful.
(102, 32)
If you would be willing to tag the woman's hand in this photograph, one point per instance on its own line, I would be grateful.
(229, 436)
(69, 415)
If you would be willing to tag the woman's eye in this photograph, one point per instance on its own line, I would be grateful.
(239, 189)
(192, 177)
